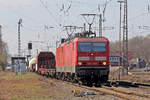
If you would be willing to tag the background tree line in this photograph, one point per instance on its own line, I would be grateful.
(3, 55)
(139, 47)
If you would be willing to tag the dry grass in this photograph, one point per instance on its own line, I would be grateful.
(34, 87)
(138, 77)
(141, 77)
(24, 87)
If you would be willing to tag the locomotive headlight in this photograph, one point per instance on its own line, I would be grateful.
(104, 63)
(79, 63)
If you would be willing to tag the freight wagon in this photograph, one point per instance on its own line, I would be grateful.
(45, 63)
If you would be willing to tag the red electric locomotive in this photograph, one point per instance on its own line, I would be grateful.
(83, 58)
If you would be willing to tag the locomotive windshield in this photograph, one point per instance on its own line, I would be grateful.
(99, 47)
(91, 47)
(84, 47)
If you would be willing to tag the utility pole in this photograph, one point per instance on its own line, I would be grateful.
(120, 28)
(102, 19)
(125, 37)
(100, 25)
(19, 40)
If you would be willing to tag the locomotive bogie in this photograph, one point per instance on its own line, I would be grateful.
(92, 74)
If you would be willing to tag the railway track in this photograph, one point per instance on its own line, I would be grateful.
(126, 91)
(144, 87)
(114, 91)
(131, 84)
(123, 93)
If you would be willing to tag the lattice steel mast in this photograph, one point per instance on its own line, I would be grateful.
(125, 36)
(19, 40)
(120, 33)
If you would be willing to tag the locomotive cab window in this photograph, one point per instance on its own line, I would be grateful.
(99, 47)
(91, 47)
(84, 47)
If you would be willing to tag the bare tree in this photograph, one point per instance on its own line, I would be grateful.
(138, 46)
(3, 55)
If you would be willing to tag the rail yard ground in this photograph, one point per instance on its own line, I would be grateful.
(31, 86)
(34, 87)
(133, 76)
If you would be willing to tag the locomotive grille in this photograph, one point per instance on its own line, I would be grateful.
(92, 58)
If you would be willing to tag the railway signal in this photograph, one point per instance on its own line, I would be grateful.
(29, 45)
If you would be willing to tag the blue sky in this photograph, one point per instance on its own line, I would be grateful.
(54, 14)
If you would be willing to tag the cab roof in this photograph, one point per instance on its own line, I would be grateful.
(96, 39)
